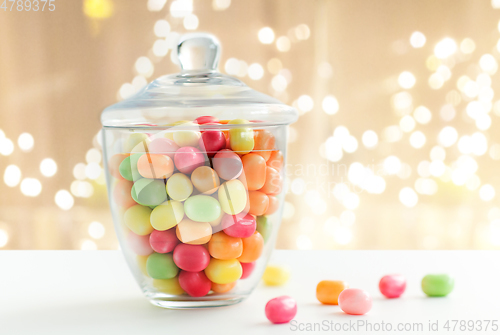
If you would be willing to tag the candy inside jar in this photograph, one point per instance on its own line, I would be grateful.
(195, 171)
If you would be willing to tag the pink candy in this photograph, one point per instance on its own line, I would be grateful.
(193, 258)
(355, 301)
(187, 159)
(247, 269)
(392, 286)
(227, 164)
(239, 225)
(281, 309)
(163, 146)
(163, 241)
(206, 119)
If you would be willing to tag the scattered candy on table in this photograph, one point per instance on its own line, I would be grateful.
(328, 291)
(281, 309)
(275, 275)
(197, 203)
(437, 285)
(392, 286)
(355, 301)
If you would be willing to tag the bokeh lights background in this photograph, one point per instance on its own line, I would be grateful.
(397, 144)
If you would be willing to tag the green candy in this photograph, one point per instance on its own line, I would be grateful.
(149, 192)
(161, 266)
(202, 208)
(264, 227)
(128, 167)
(437, 285)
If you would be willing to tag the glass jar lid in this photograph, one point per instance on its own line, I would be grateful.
(197, 90)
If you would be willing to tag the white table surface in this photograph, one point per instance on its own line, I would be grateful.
(92, 292)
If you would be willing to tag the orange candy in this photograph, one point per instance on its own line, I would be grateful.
(154, 166)
(274, 204)
(114, 165)
(191, 232)
(122, 194)
(223, 288)
(254, 167)
(205, 180)
(252, 248)
(259, 202)
(273, 182)
(327, 291)
(264, 142)
(276, 160)
(223, 246)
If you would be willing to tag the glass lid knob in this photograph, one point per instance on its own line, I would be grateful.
(198, 52)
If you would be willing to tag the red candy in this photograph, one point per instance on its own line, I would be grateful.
(281, 309)
(163, 146)
(193, 258)
(206, 119)
(247, 269)
(187, 159)
(240, 225)
(227, 164)
(392, 286)
(163, 241)
(196, 284)
(212, 141)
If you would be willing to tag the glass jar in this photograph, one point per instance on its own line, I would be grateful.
(195, 170)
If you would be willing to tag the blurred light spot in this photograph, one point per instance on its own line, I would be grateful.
(465, 144)
(181, 8)
(156, 5)
(445, 48)
(432, 63)
(473, 183)
(143, 65)
(407, 123)
(417, 139)
(483, 122)
(274, 66)
(4, 238)
(48, 167)
(304, 242)
(232, 66)
(426, 186)
(325, 70)
(12, 175)
(93, 170)
(417, 39)
(402, 101)
(255, 71)
(93, 156)
(302, 31)
(341, 132)
(333, 149)
(483, 80)
(488, 64)
(408, 197)
(406, 80)
(88, 245)
(422, 115)
(447, 113)
(437, 168)
(96, 230)
(266, 35)
(138, 82)
(423, 169)
(392, 134)
(494, 214)
(447, 136)
(279, 83)
(436, 81)
(467, 46)
(369, 139)
(305, 103)
(190, 22)
(82, 189)
(126, 90)
(288, 210)
(444, 71)
(495, 152)
(351, 201)
(471, 89)
(357, 174)
(376, 185)
(298, 186)
(340, 190)
(283, 44)
(162, 28)
(64, 200)
(160, 48)
(392, 165)
(26, 142)
(31, 187)
(6, 146)
(172, 40)
(438, 153)
(79, 171)
(243, 69)
(330, 105)
(350, 144)
(479, 144)
(487, 192)
(97, 9)
(221, 4)
(342, 235)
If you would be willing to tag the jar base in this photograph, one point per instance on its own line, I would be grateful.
(190, 304)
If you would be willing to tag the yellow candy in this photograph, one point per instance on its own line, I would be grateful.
(241, 139)
(275, 275)
(169, 135)
(137, 219)
(169, 286)
(141, 263)
(232, 197)
(136, 142)
(186, 138)
(223, 271)
(167, 215)
(179, 187)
